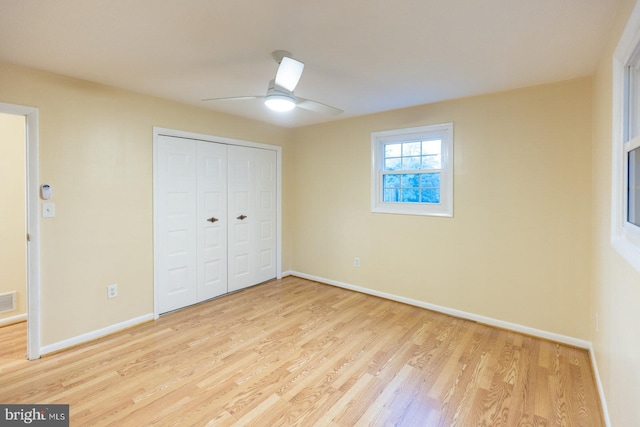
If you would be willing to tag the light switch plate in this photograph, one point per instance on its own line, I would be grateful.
(48, 210)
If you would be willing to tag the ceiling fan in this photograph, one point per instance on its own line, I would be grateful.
(279, 96)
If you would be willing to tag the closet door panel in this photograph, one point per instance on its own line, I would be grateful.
(176, 246)
(252, 216)
(211, 220)
(265, 212)
(241, 175)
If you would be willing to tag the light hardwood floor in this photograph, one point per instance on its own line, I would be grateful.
(295, 352)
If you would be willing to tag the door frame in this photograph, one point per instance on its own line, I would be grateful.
(157, 132)
(32, 223)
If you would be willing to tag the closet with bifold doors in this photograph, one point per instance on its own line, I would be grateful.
(215, 219)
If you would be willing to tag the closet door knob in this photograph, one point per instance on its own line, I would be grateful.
(241, 217)
(212, 219)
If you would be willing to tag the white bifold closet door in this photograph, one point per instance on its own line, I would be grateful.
(215, 219)
(252, 216)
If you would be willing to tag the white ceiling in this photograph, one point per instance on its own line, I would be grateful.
(363, 56)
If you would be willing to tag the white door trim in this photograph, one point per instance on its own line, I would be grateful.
(33, 225)
(157, 131)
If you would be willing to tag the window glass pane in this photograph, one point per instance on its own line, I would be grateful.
(391, 181)
(410, 195)
(411, 163)
(411, 149)
(432, 162)
(390, 195)
(633, 188)
(393, 164)
(413, 155)
(392, 150)
(431, 147)
(634, 102)
(430, 180)
(410, 181)
(430, 195)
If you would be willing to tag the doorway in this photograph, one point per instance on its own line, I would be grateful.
(28, 203)
(13, 220)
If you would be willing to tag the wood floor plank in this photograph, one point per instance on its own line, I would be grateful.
(296, 352)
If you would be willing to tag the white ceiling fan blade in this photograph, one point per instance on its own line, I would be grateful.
(318, 107)
(233, 98)
(289, 73)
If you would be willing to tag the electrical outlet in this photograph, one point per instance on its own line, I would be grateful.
(356, 262)
(112, 291)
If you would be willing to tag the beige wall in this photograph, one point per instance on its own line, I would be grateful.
(518, 247)
(96, 152)
(616, 290)
(13, 262)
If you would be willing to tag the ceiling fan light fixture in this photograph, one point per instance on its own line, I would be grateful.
(280, 103)
(289, 72)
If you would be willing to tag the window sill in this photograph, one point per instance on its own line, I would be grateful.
(628, 251)
(411, 209)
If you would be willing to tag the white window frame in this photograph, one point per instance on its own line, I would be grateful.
(625, 236)
(378, 140)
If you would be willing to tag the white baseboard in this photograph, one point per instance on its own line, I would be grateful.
(80, 339)
(13, 319)
(596, 374)
(454, 312)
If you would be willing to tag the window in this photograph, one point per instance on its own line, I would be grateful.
(631, 143)
(625, 212)
(412, 171)
(633, 187)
